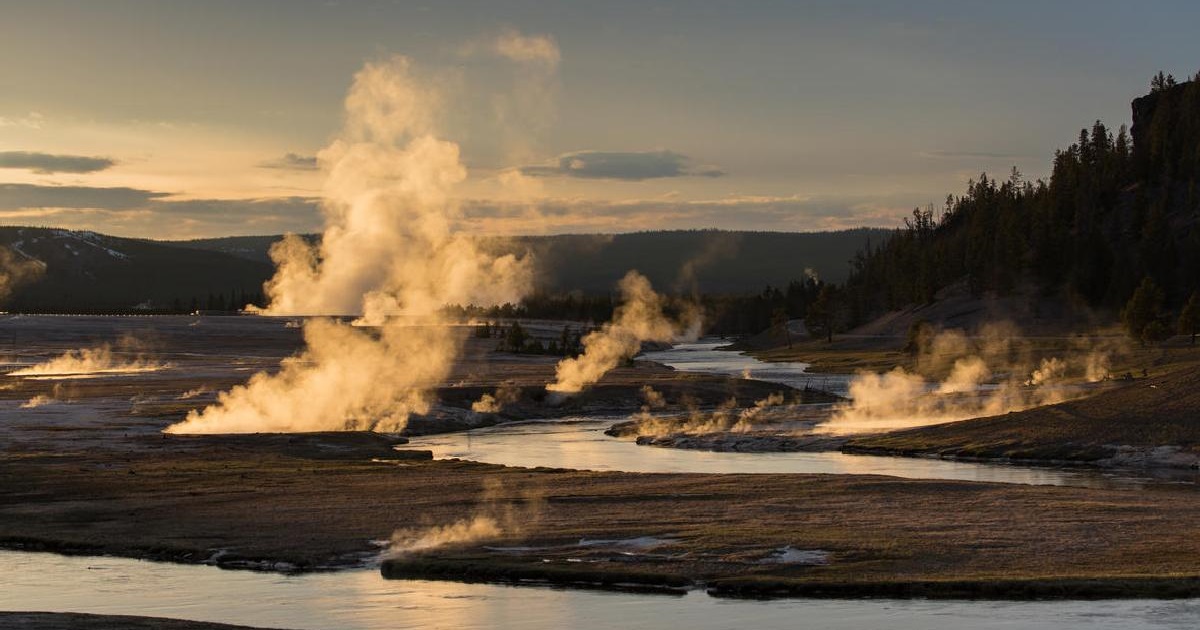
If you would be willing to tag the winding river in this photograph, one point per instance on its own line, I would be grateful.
(581, 443)
(362, 599)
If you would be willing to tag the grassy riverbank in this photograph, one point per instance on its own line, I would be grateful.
(286, 505)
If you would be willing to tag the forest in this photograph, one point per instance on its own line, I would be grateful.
(1119, 211)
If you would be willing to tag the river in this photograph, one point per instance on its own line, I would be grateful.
(362, 599)
(581, 443)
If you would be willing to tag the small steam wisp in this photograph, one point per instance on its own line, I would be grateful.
(497, 516)
(16, 270)
(88, 363)
(640, 318)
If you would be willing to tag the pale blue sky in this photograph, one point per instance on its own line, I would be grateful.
(814, 114)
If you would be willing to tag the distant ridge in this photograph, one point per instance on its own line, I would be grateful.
(712, 261)
(91, 272)
(85, 271)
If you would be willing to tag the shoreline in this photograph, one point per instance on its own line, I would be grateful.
(41, 620)
(312, 503)
(643, 583)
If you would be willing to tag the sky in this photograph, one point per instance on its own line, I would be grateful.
(195, 119)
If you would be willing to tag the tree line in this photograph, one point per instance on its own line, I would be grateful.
(1119, 212)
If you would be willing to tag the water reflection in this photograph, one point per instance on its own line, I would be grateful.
(362, 600)
(582, 444)
(703, 357)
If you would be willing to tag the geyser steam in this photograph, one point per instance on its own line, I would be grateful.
(388, 253)
(497, 515)
(986, 376)
(89, 362)
(15, 271)
(639, 318)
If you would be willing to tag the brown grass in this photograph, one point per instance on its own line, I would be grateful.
(184, 499)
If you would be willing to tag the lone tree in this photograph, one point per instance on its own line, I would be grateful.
(779, 325)
(1142, 310)
(821, 313)
(1189, 318)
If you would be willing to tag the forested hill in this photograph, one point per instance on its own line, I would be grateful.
(711, 261)
(44, 269)
(1119, 208)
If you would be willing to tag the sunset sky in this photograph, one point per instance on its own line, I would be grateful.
(179, 120)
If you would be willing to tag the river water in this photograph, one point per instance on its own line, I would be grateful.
(362, 599)
(581, 443)
(704, 357)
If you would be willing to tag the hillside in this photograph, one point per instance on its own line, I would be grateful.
(711, 261)
(1118, 209)
(72, 271)
(84, 271)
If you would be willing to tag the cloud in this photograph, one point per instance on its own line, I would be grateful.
(744, 212)
(46, 163)
(146, 214)
(20, 196)
(261, 216)
(292, 161)
(539, 49)
(624, 165)
(33, 120)
(987, 155)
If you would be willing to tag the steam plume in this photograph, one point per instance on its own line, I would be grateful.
(495, 517)
(88, 362)
(388, 253)
(639, 318)
(987, 376)
(15, 271)
(494, 403)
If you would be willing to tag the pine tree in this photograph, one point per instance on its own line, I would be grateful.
(1189, 318)
(820, 314)
(1142, 309)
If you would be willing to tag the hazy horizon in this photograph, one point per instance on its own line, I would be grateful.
(839, 116)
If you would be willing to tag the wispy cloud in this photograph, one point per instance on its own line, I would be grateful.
(33, 120)
(130, 212)
(150, 214)
(624, 165)
(47, 163)
(19, 196)
(540, 49)
(292, 161)
(986, 155)
(749, 212)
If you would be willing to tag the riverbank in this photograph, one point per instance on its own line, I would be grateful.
(273, 505)
(1146, 422)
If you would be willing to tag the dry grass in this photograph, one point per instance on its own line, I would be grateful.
(183, 499)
